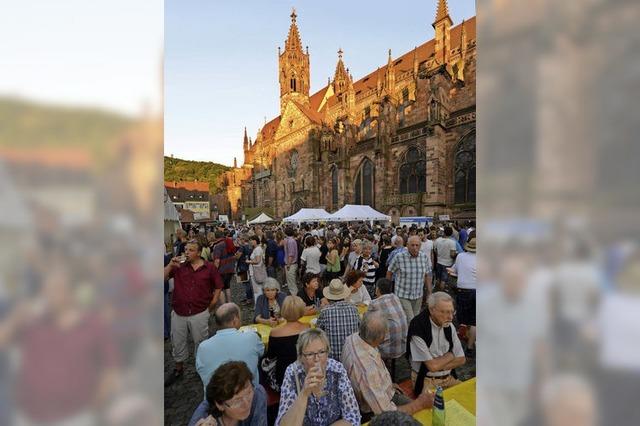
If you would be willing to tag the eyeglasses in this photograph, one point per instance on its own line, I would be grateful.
(240, 399)
(312, 355)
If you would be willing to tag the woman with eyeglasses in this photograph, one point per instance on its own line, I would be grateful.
(232, 399)
(316, 390)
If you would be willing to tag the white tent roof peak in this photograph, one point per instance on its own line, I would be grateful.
(353, 212)
(262, 218)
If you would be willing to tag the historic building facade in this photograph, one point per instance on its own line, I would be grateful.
(401, 139)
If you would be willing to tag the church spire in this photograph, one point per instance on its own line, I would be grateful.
(442, 12)
(235, 163)
(390, 75)
(340, 77)
(245, 140)
(442, 25)
(293, 67)
(343, 85)
(293, 39)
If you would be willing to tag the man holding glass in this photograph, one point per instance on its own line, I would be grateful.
(197, 286)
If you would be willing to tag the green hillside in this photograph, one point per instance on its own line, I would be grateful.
(176, 169)
(29, 124)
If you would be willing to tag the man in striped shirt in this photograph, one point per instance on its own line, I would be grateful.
(369, 377)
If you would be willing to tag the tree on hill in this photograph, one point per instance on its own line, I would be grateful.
(176, 169)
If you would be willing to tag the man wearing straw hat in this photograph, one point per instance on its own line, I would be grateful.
(340, 319)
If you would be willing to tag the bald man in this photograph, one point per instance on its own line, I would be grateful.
(228, 344)
(411, 271)
(369, 377)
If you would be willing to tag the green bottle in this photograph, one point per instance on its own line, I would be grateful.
(438, 414)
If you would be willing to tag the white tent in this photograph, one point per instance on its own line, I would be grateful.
(353, 212)
(260, 219)
(308, 215)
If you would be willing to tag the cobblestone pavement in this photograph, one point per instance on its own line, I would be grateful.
(182, 398)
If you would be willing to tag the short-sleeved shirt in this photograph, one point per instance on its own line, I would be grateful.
(409, 272)
(50, 354)
(444, 246)
(339, 401)
(465, 268)
(371, 381)
(227, 262)
(311, 257)
(427, 247)
(338, 320)
(193, 290)
(228, 344)
(271, 252)
(290, 251)
(360, 296)
(255, 254)
(369, 268)
(439, 346)
(395, 341)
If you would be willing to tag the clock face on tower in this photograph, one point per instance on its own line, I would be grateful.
(294, 160)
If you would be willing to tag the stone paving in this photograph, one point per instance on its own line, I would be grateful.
(182, 398)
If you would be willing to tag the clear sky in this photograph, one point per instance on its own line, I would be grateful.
(221, 59)
(98, 53)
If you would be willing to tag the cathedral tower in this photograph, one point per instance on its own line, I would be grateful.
(293, 68)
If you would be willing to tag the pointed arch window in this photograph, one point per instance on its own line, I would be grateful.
(293, 84)
(363, 189)
(413, 172)
(465, 170)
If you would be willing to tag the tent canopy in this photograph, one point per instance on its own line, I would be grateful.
(353, 212)
(308, 215)
(263, 218)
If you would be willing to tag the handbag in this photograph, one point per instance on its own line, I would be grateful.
(268, 366)
(260, 273)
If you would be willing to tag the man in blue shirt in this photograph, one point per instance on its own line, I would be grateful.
(228, 344)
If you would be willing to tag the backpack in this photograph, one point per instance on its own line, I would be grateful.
(417, 328)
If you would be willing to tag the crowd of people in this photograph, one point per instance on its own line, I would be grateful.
(416, 287)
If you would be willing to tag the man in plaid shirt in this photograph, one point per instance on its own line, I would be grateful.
(340, 319)
(411, 271)
(395, 341)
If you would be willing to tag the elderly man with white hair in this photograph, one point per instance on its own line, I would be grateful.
(433, 344)
(369, 376)
(411, 272)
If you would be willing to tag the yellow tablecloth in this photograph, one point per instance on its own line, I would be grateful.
(263, 330)
(464, 393)
(307, 318)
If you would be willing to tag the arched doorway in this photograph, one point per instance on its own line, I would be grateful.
(297, 205)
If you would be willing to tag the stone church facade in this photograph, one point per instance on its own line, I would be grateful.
(401, 139)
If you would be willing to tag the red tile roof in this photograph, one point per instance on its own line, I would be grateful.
(64, 158)
(189, 186)
(401, 64)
